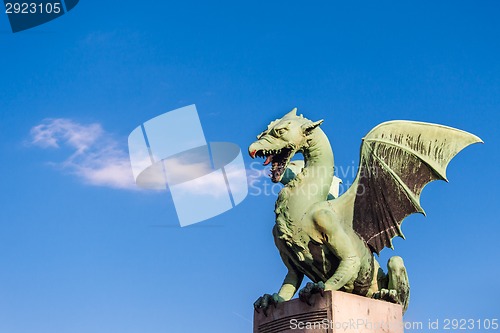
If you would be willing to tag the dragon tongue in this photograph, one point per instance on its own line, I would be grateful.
(268, 159)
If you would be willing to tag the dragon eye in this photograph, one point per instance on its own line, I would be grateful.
(280, 131)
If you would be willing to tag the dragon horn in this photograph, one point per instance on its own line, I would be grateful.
(291, 114)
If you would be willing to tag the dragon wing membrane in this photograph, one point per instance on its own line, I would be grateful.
(398, 159)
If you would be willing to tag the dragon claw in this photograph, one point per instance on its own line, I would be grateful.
(310, 289)
(263, 302)
(389, 295)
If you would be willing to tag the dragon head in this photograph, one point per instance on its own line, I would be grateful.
(282, 139)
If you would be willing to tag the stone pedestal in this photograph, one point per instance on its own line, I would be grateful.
(334, 312)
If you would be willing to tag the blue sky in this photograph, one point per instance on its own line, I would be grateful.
(83, 251)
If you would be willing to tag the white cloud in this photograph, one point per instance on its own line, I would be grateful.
(98, 158)
(53, 132)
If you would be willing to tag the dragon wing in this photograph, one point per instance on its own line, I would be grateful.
(398, 159)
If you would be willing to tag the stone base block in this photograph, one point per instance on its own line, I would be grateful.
(334, 312)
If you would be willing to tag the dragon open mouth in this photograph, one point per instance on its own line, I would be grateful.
(278, 159)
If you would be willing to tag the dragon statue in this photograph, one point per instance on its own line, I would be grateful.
(333, 241)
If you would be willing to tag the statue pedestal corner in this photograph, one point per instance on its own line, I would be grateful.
(334, 312)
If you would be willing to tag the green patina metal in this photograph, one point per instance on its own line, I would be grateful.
(333, 242)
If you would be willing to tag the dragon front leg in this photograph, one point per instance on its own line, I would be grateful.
(347, 270)
(341, 245)
(290, 285)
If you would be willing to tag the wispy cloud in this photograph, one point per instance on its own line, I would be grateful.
(97, 159)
